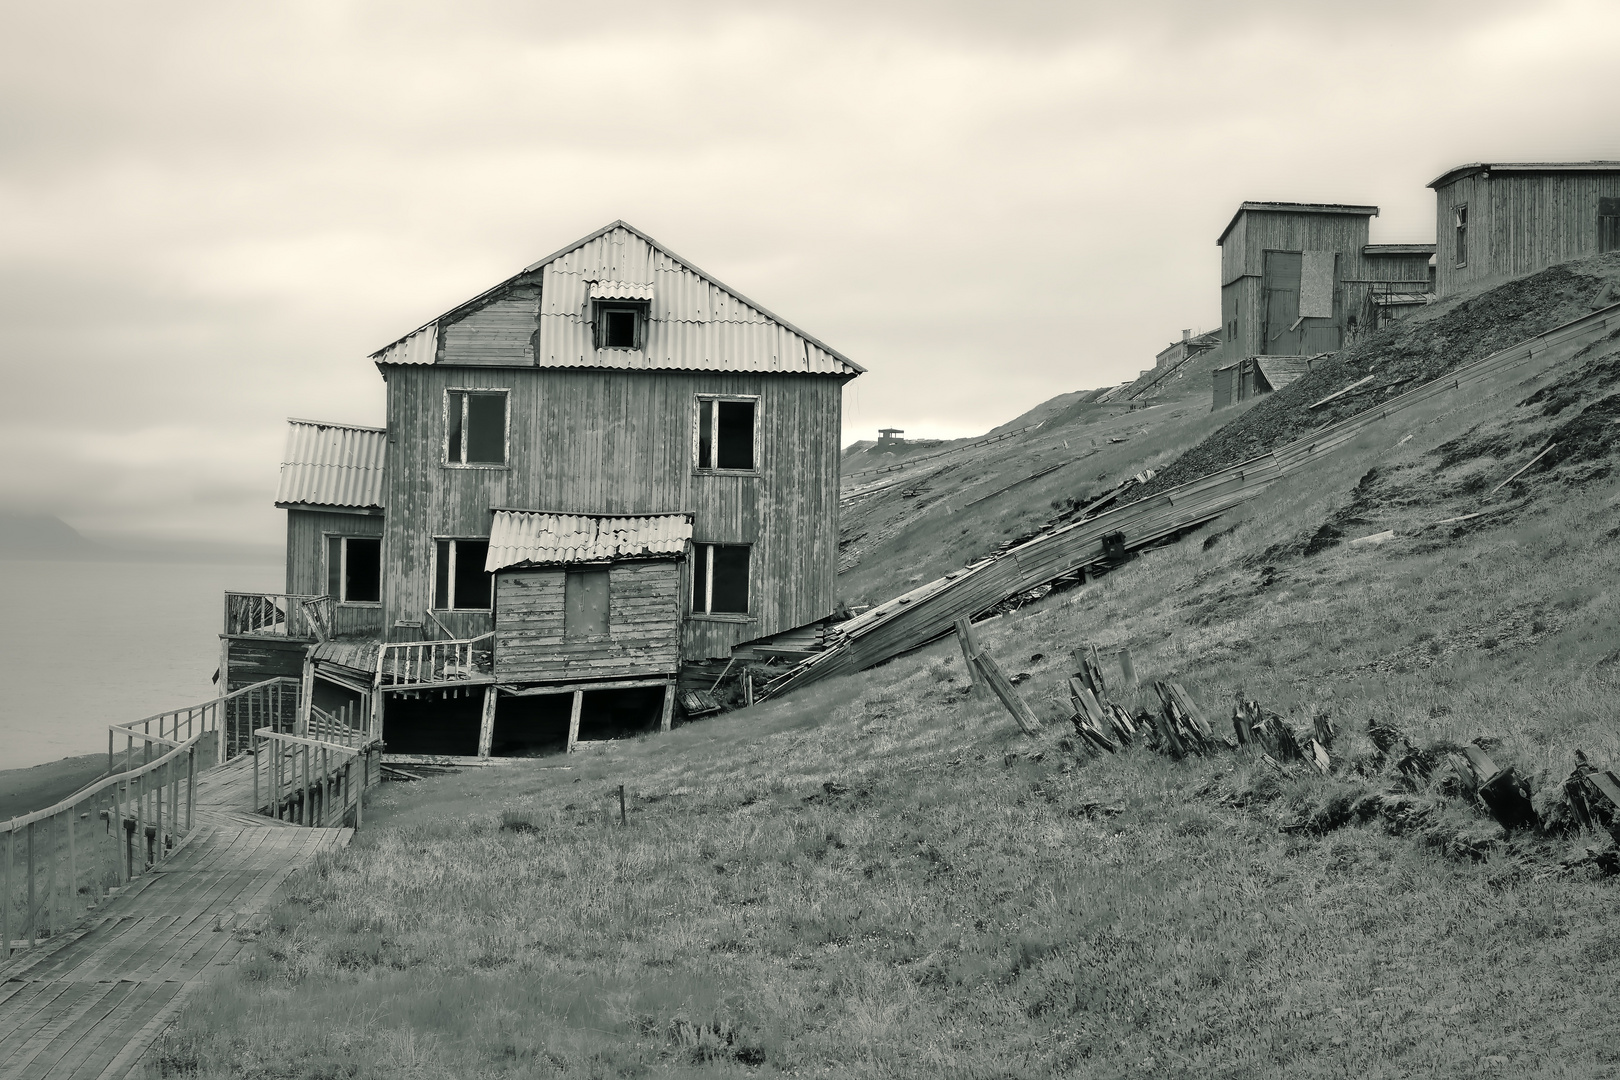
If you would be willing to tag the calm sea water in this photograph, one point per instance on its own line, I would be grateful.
(85, 644)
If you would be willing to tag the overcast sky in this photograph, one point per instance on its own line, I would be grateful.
(211, 213)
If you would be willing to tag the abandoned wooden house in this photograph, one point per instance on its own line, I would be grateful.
(606, 470)
(1502, 219)
(1190, 347)
(1300, 279)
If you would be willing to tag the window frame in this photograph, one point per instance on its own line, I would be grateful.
(505, 393)
(1459, 234)
(704, 400)
(698, 551)
(579, 570)
(450, 580)
(1612, 230)
(641, 309)
(343, 567)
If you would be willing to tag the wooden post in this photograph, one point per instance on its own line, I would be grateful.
(970, 651)
(306, 696)
(573, 719)
(360, 797)
(303, 796)
(109, 750)
(158, 799)
(1003, 689)
(5, 897)
(623, 819)
(669, 706)
(748, 687)
(32, 939)
(486, 726)
(191, 785)
(253, 747)
(1127, 670)
(73, 861)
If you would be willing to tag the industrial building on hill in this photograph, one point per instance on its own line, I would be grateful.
(1504, 219)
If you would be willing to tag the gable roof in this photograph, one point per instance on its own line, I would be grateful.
(695, 322)
(332, 465)
(1297, 208)
(533, 538)
(1524, 167)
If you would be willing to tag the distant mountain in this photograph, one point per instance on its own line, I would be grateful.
(40, 536)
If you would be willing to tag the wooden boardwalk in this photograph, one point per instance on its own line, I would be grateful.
(91, 1003)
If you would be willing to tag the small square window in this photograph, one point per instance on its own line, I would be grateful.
(354, 569)
(720, 579)
(620, 324)
(726, 433)
(459, 580)
(475, 427)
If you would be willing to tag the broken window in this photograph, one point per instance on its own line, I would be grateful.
(459, 580)
(354, 569)
(726, 433)
(1608, 225)
(621, 324)
(1459, 215)
(720, 579)
(475, 427)
(585, 604)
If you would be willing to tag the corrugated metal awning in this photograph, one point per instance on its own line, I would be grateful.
(522, 537)
(332, 465)
(621, 290)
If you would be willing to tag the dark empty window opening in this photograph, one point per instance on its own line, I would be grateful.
(621, 324)
(585, 604)
(726, 433)
(720, 579)
(475, 427)
(459, 580)
(354, 569)
(1459, 215)
(1608, 225)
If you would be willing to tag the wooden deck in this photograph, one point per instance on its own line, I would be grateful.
(91, 1003)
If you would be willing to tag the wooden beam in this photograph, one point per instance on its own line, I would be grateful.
(486, 726)
(669, 706)
(1003, 689)
(573, 719)
(970, 652)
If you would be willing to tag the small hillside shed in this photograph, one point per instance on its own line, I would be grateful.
(1296, 277)
(1256, 375)
(1501, 219)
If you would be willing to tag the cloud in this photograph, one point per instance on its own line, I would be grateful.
(209, 218)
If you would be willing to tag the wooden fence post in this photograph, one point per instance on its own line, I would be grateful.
(1003, 689)
(970, 652)
(573, 719)
(669, 706)
(486, 725)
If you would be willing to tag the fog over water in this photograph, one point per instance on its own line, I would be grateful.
(85, 644)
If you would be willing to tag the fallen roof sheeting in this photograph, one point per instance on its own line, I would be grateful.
(930, 611)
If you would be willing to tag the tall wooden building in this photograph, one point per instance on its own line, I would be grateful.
(600, 469)
(1299, 279)
(1496, 220)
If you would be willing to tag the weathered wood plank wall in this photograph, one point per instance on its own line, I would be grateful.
(1518, 223)
(601, 441)
(254, 659)
(307, 531)
(644, 626)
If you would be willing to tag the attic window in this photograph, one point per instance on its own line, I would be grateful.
(620, 324)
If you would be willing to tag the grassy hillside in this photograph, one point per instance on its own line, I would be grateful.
(881, 878)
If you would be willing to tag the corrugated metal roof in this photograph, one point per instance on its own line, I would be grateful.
(694, 321)
(518, 537)
(621, 290)
(332, 465)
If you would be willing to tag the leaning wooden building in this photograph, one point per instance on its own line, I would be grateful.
(603, 469)
(1497, 220)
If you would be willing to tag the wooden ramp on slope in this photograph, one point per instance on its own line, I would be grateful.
(90, 1004)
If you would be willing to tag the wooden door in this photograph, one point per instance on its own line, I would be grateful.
(1285, 333)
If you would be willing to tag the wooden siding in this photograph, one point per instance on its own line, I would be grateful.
(618, 442)
(501, 332)
(307, 531)
(251, 660)
(643, 639)
(1256, 232)
(1518, 223)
